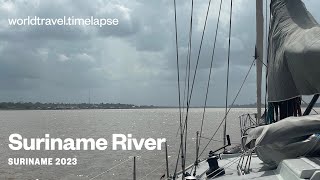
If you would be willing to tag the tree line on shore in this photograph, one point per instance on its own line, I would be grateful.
(57, 106)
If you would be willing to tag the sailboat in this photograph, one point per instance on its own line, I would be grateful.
(284, 143)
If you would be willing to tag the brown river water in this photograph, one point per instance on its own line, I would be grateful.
(141, 123)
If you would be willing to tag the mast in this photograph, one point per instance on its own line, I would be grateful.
(259, 52)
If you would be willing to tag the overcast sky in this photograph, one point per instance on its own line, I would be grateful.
(133, 62)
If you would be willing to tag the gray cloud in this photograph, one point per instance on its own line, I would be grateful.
(130, 63)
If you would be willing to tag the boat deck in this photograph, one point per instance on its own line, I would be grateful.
(293, 169)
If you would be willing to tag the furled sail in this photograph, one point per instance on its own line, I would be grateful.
(289, 138)
(294, 51)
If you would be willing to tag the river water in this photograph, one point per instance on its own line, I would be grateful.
(141, 123)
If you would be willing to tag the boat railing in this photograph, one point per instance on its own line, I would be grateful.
(249, 121)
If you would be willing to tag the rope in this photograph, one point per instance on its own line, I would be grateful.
(139, 155)
(234, 100)
(230, 163)
(155, 170)
(263, 63)
(228, 67)
(226, 166)
(215, 140)
(110, 168)
(202, 137)
(315, 144)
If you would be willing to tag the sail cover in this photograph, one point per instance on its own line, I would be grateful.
(289, 138)
(294, 51)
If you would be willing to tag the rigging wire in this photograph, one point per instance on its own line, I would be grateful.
(178, 79)
(267, 51)
(189, 59)
(234, 100)
(176, 166)
(263, 63)
(187, 69)
(209, 77)
(228, 69)
(308, 103)
(195, 71)
(216, 140)
(188, 64)
(197, 62)
(196, 67)
(187, 85)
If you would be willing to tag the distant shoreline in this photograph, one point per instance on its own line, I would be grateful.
(80, 106)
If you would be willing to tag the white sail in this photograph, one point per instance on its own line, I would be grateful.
(259, 52)
(294, 51)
